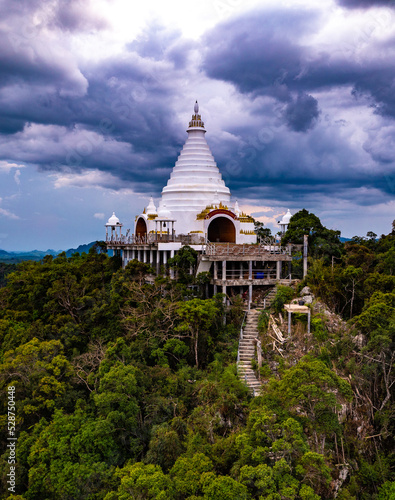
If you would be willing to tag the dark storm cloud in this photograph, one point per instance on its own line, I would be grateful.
(161, 44)
(29, 62)
(116, 115)
(302, 112)
(10, 125)
(125, 100)
(264, 53)
(259, 52)
(273, 163)
(365, 4)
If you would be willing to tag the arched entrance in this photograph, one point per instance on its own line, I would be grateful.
(221, 230)
(141, 228)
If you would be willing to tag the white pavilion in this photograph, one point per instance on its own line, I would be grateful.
(195, 209)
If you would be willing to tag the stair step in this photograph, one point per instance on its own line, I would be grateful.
(247, 347)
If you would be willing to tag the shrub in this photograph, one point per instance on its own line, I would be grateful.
(283, 296)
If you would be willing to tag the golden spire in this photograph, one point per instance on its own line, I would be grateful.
(196, 118)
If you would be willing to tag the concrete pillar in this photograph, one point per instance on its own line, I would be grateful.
(165, 258)
(249, 296)
(151, 257)
(289, 322)
(215, 290)
(144, 256)
(215, 270)
(308, 321)
(158, 261)
(305, 244)
(172, 268)
(224, 269)
(250, 270)
(278, 270)
(224, 291)
(241, 270)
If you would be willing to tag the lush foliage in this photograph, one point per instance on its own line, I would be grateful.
(322, 242)
(127, 388)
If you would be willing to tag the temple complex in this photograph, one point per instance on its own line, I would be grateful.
(195, 209)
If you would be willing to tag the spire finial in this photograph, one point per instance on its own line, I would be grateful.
(196, 121)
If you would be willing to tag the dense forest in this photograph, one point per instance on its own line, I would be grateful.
(118, 384)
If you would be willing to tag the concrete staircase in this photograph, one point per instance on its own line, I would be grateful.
(270, 297)
(247, 350)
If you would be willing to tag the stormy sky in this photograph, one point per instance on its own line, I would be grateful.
(298, 99)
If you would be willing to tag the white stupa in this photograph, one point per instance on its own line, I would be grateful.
(195, 181)
(284, 222)
(195, 201)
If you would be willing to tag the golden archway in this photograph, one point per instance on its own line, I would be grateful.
(221, 230)
(141, 227)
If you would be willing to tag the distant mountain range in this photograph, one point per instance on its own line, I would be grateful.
(39, 254)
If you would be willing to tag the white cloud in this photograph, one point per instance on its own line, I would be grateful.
(99, 216)
(6, 166)
(89, 178)
(8, 214)
(255, 209)
(17, 176)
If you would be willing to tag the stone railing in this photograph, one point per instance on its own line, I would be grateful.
(151, 238)
(220, 249)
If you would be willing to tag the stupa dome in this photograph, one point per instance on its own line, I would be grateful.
(151, 208)
(164, 212)
(286, 218)
(113, 220)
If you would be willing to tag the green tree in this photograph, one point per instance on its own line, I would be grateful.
(72, 457)
(184, 260)
(190, 473)
(310, 388)
(41, 375)
(283, 296)
(225, 488)
(322, 241)
(197, 316)
(142, 482)
(377, 322)
(165, 446)
(261, 231)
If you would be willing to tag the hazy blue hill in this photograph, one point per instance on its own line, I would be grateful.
(15, 257)
(80, 249)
